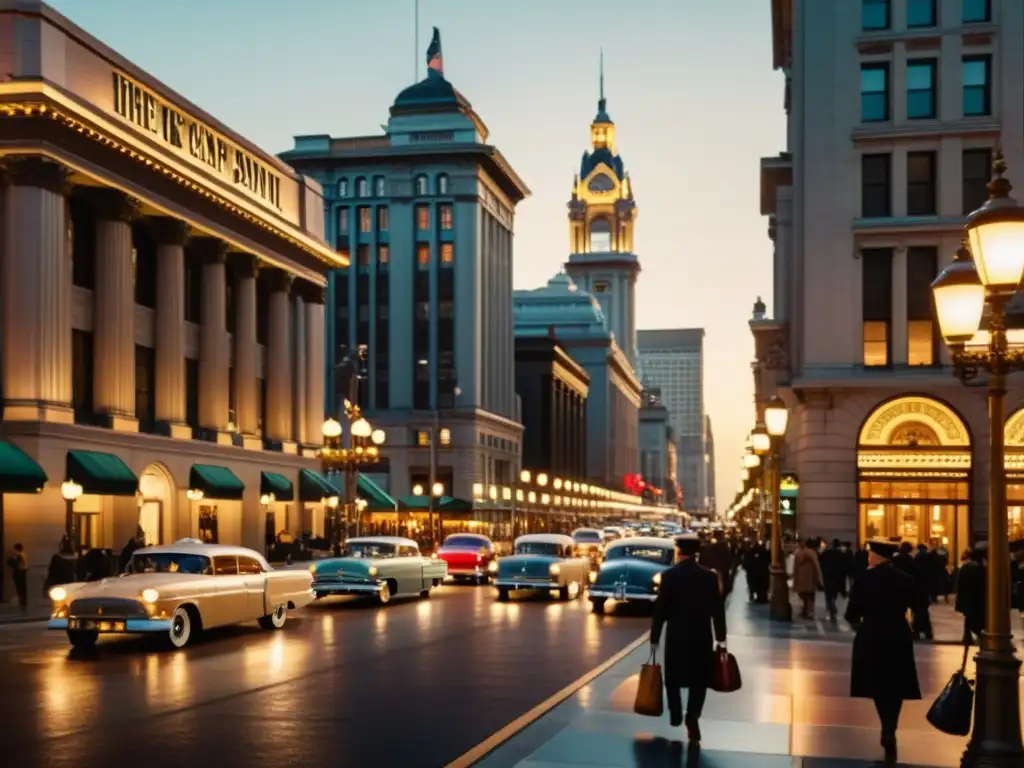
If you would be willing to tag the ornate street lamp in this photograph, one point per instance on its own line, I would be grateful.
(72, 492)
(776, 417)
(761, 444)
(995, 236)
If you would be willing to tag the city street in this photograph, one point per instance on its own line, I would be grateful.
(413, 684)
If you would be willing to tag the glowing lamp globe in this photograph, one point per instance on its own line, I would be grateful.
(331, 429)
(378, 437)
(760, 440)
(361, 428)
(959, 299)
(751, 460)
(437, 489)
(996, 234)
(776, 416)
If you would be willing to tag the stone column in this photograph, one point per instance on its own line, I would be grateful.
(247, 415)
(36, 289)
(113, 302)
(213, 338)
(298, 363)
(169, 335)
(314, 364)
(278, 372)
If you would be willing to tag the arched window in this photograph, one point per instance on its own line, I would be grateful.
(342, 187)
(442, 184)
(362, 188)
(378, 186)
(421, 185)
(600, 235)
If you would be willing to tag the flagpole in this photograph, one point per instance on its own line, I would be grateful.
(416, 53)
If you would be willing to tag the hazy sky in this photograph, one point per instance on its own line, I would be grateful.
(689, 85)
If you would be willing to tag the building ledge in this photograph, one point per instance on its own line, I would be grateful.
(907, 225)
(987, 127)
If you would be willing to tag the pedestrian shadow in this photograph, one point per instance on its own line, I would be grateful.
(659, 752)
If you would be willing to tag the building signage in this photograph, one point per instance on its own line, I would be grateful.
(186, 136)
(789, 490)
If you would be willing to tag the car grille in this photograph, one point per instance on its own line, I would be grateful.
(106, 606)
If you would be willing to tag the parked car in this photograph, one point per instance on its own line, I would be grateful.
(613, 533)
(543, 562)
(589, 543)
(178, 590)
(470, 557)
(380, 568)
(631, 571)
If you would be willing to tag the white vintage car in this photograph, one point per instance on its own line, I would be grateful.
(178, 590)
(379, 567)
(543, 562)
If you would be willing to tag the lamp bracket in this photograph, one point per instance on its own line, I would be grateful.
(968, 364)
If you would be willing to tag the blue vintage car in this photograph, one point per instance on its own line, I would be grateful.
(378, 567)
(631, 571)
(543, 562)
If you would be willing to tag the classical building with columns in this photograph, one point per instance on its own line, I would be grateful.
(162, 291)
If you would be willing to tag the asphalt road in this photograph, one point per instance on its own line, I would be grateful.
(343, 684)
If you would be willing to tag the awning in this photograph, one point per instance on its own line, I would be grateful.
(376, 497)
(444, 503)
(279, 485)
(313, 487)
(102, 474)
(215, 482)
(19, 472)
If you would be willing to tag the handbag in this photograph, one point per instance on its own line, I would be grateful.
(726, 677)
(951, 711)
(649, 699)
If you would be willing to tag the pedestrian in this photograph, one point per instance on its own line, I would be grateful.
(717, 556)
(807, 578)
(924, 584)
(860, 563)
(970, 591)
(833, 571)
(1017, 576)
(18, 564)
(883, 667)
(138, 541)
(757, 565)
(690, 602)
(848, 559)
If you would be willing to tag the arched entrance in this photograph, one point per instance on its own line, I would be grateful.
(1013, 436)
(914, 474)
(156, 491)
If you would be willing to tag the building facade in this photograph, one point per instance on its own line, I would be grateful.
(709, 466)
(893, 112)
(672, 360)
(426, 212)
(655, 431)
(162, 291)
(553, 389)
(573, 318)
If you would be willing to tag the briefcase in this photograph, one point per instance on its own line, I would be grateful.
(649, 699)
(726, 678)
(951, 712)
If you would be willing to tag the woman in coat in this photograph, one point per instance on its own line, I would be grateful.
(883, 667)
(807, 579)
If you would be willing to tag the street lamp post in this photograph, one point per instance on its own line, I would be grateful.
(775, 418)
(752, 463)
(986, 272)
(71, 491)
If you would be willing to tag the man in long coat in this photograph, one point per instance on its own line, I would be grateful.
(689, 602)
(883, 666)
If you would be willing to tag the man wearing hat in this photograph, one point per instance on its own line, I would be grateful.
(970, 591)
(883, 667)
(689, 602)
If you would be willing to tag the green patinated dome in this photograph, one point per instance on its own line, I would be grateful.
(434, 91)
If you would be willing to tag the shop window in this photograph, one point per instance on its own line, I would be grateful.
(444, 437)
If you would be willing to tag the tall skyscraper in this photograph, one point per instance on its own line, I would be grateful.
(673, 361)
(709, 465)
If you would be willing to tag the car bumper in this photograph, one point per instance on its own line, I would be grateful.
(106, 626)
(467, 572)
(343, 588)
(627, 597)
(513, 584)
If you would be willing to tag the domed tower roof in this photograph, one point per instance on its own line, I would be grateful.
(561, 305)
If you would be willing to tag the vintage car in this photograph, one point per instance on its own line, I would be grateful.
(378, 567)
(543, 562)
(470, 557)
(631, 571)
(589, 543)
(178, 590)
(613, 533)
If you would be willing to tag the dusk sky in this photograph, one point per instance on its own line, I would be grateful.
(689, 85)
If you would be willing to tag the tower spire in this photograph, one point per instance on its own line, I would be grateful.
(602, 76)
(602, 104)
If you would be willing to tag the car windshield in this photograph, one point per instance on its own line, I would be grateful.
(593, 536)
(170, 562)
(659, 555)
(538, 548)
(368, 549)
(465, 542)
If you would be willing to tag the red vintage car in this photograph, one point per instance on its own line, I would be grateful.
(470, 557)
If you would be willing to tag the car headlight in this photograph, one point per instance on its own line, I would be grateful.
(312, 568)
(657, 578)
(150, 595)
(555, 569)
(372, 571)
(493, 566)
(592, 576)
(57, 594)
(433, 555)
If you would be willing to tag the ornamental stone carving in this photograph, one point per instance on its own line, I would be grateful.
(945, 425)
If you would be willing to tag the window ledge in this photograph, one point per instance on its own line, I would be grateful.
(907, 224)
(924, 128)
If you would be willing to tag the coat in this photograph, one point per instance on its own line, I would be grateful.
(970, 595)
(833, 565)
(689, 602)
(883, 665)
(807, 577)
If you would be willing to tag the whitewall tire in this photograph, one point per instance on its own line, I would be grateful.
(182, 628)
(275, 620)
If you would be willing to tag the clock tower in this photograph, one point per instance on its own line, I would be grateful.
(602, 213)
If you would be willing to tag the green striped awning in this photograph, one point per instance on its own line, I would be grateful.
(278, 485)
(19, 472)
(102, 474)
(215, 482)
(313, 487)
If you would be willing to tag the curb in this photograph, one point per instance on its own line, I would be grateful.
(498, 738)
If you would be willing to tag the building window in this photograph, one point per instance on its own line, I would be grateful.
(921, 89)
(977, 170)
(977, 10)
(343, 221)
(342, 187)
(362, 188)
(193, 288)
(876, 291)
(445, 310)
(447, 253)
(600, 235)
(192, 392)
(383, 254)
(442, 184)
(600, 286)
(876, 193)
(422, 438)
(378, 186)
(363, 255)
(874, 14)
(421, 185)
(920, 13)
(382, 218)
(446, 217)
(444, 437)
(921, 184)
(922, 341)
(82, 374)
(874, 92)
(145, 401)
(365, 221)
(422, 218)
(83, 243)
(422, 255)
(977, 90)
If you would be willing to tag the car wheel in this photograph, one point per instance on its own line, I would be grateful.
(384, 596)
(424, 594)
(181, 628)
(276, 619)
(83, 638)
(502, 594)
(597, 604)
